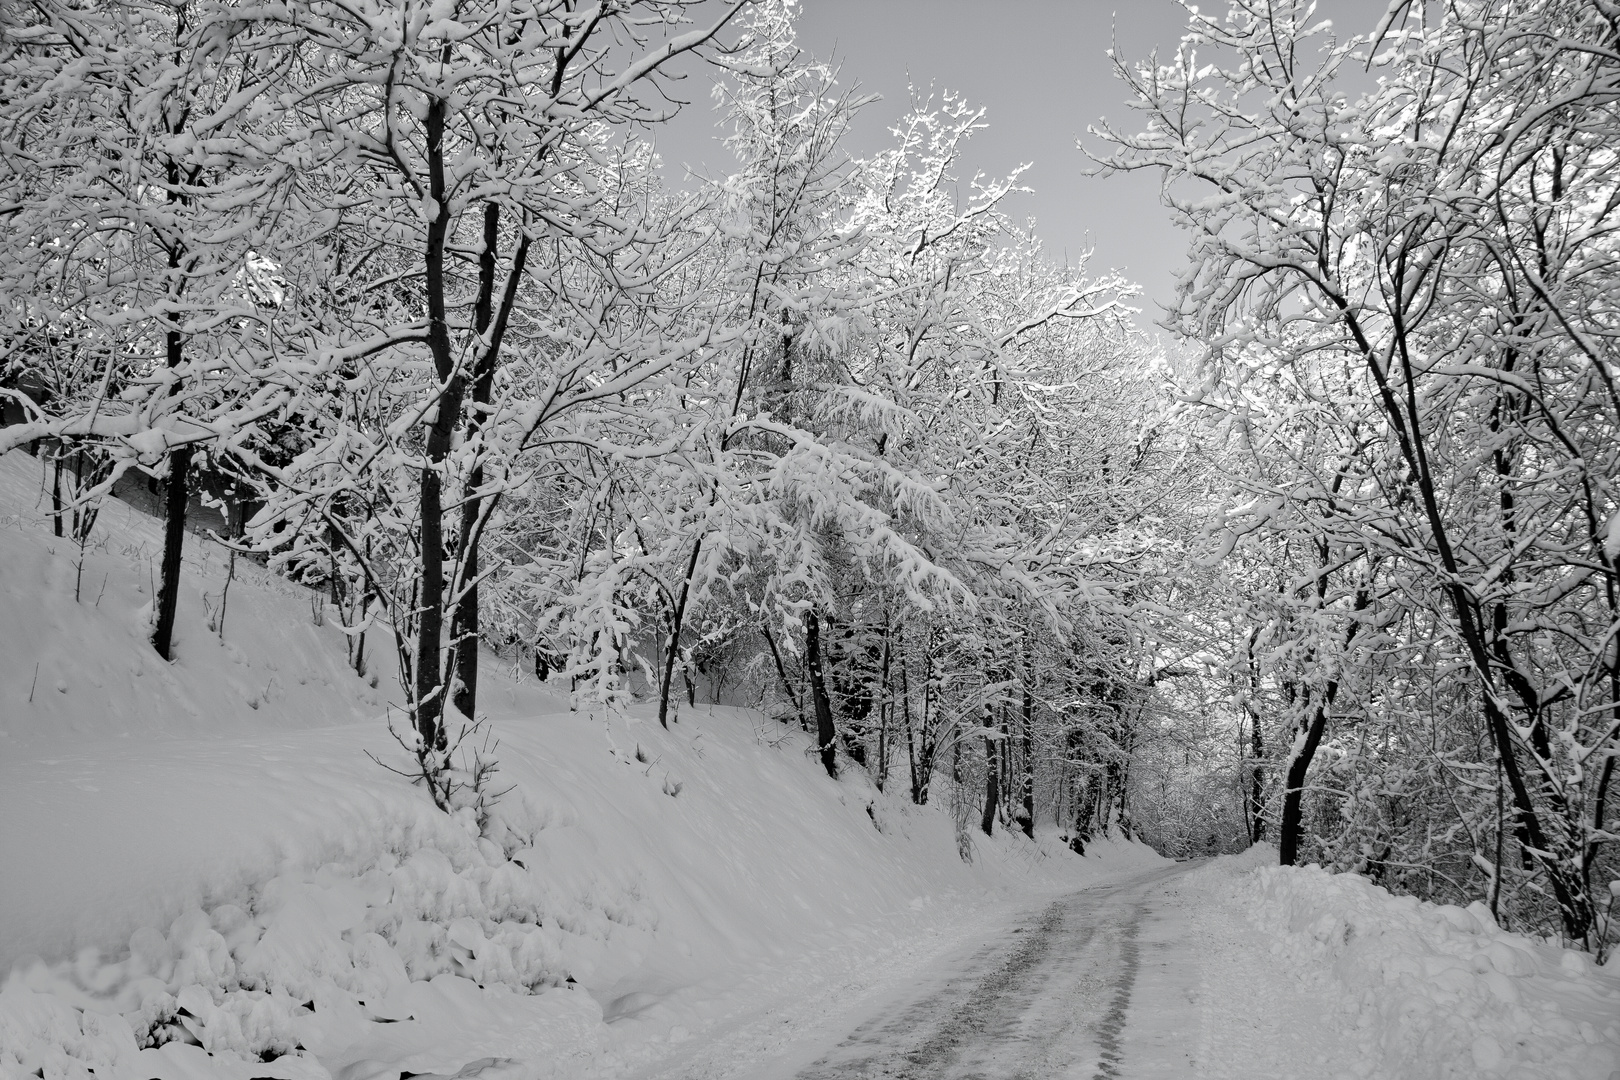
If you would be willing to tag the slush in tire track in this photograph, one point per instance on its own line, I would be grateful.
(1113, 1025)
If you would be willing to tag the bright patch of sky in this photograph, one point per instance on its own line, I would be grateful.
(1041, 70)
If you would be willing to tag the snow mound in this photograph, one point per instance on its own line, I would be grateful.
(307, 966)
(1443, 990)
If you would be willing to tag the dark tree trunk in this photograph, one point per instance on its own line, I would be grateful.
(885, 710)
(1288, 835)
(781, 673)
(1006, 757)
(1077, 782)
(1599, 808)
(1113, 785)
(1257, 772)
(357, 642)
(428, 703)
(1290, 830)
(429, 693)
(1028, 820)
(847, 672)
(464, 620)
(826, 735)
(167, 600)
(919, 790)
(927, 738)
(1257, 784)
(672, 650)
(992, 774)
(175, 493)
(1085, 810)
(486, 319)
(56, 494)
(1122, 796)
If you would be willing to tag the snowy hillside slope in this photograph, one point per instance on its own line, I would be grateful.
(203, 874)
(76, 670)
(1432, 990)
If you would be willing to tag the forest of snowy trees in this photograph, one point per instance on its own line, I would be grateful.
(1335, 566)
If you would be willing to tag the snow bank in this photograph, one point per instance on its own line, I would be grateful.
(350, 966)
(1442, 991)
(202, 873)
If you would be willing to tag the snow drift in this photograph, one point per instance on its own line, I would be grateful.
(1440, 991)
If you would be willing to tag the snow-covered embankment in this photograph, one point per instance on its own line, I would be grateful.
(203, 874)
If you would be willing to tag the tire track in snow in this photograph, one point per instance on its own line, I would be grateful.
(1113, 1025)
(1054, 1003)
(985, 1013)
(965, 1010)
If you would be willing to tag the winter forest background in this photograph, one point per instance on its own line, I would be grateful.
(397, 297)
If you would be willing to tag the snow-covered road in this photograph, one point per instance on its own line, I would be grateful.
(1151, 976)
(1048, 999)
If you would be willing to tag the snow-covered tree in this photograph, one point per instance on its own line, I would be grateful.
(463, 208)
(137, 185)
(1438, 252)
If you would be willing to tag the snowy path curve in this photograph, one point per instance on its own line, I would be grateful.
(1150, 976)
(1055, 1002)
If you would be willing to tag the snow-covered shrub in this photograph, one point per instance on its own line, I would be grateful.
(262, 977)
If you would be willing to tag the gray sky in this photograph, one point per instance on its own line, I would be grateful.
(1040, 69)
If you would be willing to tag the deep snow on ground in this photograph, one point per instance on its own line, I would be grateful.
(1415, 990)
(201, 855)
(201, 869)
